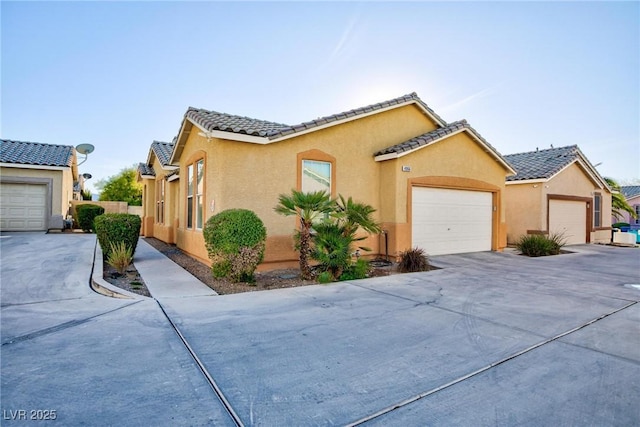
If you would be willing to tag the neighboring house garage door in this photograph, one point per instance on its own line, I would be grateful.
(568, 218)
(22, 207)
(451, 221)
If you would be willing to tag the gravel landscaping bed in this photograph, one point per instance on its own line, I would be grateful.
(275, 279)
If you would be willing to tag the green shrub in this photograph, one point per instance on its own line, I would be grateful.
(535, 245)
(331, 248)
(413, 260)
(359, 270)
(120, 256)
(325, 277)
(235, 241)
(113, 228)
(86, 215)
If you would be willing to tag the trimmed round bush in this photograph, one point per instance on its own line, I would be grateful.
(86, 215)
(235, 240)
(113, 228)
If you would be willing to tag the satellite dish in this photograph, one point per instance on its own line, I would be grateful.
(86, 175)
(85, 149)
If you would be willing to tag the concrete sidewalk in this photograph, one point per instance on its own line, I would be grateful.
(81, 358)
(164, 278)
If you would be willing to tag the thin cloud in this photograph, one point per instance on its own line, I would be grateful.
(347, 35)
(464, 101)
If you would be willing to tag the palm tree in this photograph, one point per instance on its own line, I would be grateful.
(618, 202)
(308, 207)
(352, 215)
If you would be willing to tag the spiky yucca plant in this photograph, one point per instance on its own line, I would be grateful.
(413, 260)
(120, 256)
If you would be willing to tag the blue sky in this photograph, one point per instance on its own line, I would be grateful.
(119, 75)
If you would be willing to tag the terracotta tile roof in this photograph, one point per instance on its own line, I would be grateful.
(144, 169)
(542, 164)
(212, 120)
(162, 151)
(35, 153)
(630, 191)
(435, 135)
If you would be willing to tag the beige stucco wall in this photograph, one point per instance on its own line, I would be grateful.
(62, 185)
(527, 204)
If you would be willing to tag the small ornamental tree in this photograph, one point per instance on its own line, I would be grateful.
(235, 241)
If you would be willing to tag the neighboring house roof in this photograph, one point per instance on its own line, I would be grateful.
(630, 191)
(246, 129)
(162, 151)
(542, 165)
(436, 135)
(36, 153)
(146, 170)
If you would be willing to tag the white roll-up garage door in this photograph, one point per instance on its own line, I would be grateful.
(23, 207)
(448, 221)
(569, 218)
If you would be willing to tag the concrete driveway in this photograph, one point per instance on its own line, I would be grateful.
(490, 339)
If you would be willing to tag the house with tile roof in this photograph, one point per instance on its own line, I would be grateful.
(557, 190)
(632, 196)
(37, 184)
(435, 185)
(159, 192)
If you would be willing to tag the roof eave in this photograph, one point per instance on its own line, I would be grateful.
(30, 166)
(528, 181)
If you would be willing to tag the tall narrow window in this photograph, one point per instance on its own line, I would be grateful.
(316, 176)
(190, 196)
(637, 219)
(160, 201)
(195, 195)
(597, 210)
(199, 192)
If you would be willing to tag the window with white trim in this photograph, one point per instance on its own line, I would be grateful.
(195, 194)
(160, 201)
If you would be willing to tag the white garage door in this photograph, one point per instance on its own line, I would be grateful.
(451, 221)
(22, 207)
(570, 219)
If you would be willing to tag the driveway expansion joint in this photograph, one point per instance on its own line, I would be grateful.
(60, 327)
(481, 370)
